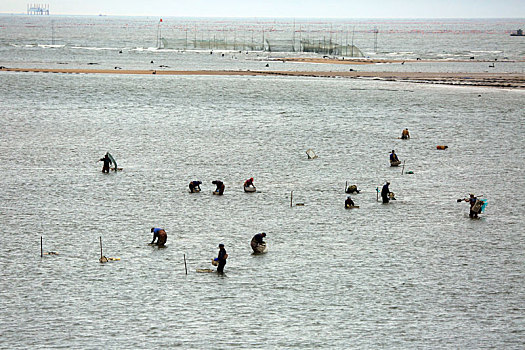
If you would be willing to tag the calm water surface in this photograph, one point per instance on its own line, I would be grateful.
(416, 273)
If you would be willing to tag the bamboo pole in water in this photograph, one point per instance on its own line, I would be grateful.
(41, 247)
(185, 266)
(403, 170)
(291, 199)
(101, 247)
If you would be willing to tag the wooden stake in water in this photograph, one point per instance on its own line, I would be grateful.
(346, 185)
(185, 266)
(403, 170)
(41, 247)
(101, 247)
(291, 199)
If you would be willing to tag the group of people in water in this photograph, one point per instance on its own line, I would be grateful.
(195, 187)
(160, 238)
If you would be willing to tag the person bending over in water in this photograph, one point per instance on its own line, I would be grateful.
(352, 189)
(160, 235)
(195, 186)
(222, 258)
(107, 163)
(249, 182)
(405, 134)
(220, 186)
(349, 202)
(257, 239)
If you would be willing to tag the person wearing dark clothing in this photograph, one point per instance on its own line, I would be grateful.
(249, 182)
(222, 258)
(257, 240)
(352, 189)
(220, 186)
(393, 157)
(385, 193)
(195, 186)
(160, 235)
(107, 163)
(349, 202)
(472, 201)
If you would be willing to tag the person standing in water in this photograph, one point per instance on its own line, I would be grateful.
(222, 258)
(385, 192)
(160, 235)
(472, 201)
(107, 163)
(405, 135)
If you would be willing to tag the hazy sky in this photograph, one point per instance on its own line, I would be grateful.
(282, 8)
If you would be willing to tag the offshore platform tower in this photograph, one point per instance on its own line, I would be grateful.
(38, 9)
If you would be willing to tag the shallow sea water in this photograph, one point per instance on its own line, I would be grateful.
(416, 273)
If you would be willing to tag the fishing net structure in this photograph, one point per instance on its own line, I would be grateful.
(265, 42)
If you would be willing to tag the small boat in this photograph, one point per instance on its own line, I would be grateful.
(259, 248)
(519, 32)
(249, 189)
(395, 163)
(352, 207)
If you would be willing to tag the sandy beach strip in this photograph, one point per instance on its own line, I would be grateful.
(500, 80)
(362, 61)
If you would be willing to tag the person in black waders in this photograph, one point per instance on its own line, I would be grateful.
(222, 258)
(107, 163)
(385, 193)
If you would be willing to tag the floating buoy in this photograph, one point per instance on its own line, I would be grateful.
(442, 147)
(409, 172)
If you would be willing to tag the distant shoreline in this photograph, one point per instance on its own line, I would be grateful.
(498, 80)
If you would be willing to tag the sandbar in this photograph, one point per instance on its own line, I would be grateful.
(499, 80)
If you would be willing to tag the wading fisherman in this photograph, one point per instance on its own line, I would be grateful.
(220, 186)
(222, 258)
(405, 134)
(160, 235)
(349, 202)
(385, 193)
(472, 201)
(249, 182)
(195, 186)
(257, 239)
(352, 189)
(393, 157)
(107, 163)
